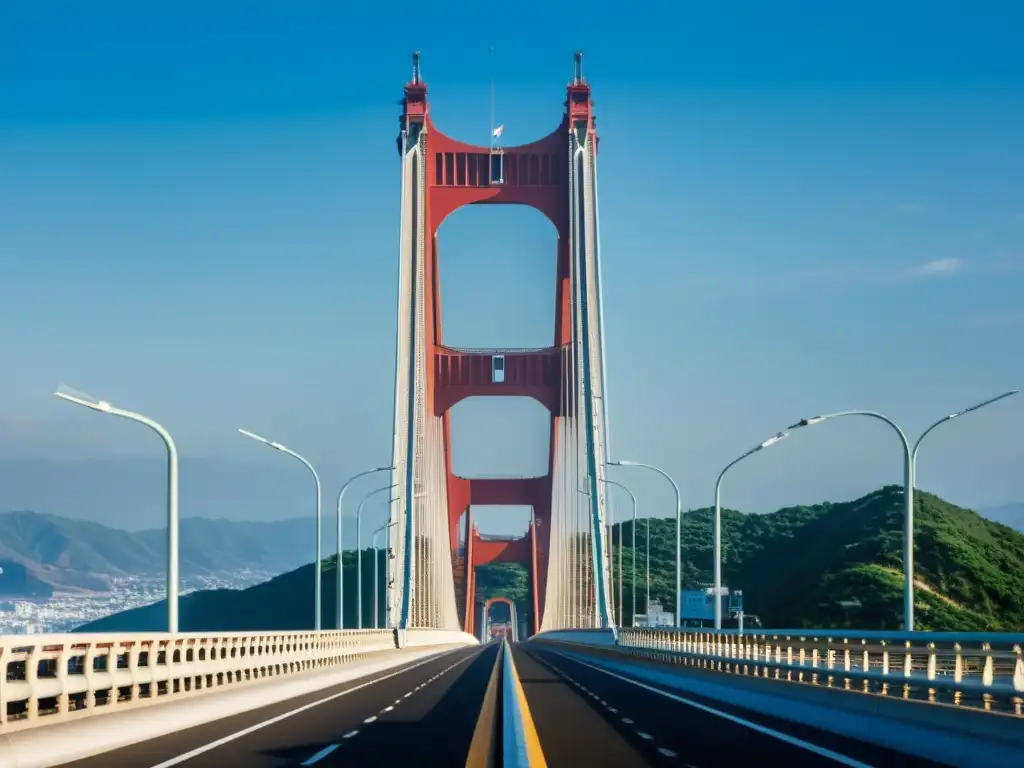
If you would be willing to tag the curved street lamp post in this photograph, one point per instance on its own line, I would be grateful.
(339, 602)
(679, 529)
(632, 545)
(102, 406)
(909, 459)
(316, 479)
(376, 570)
(717, 533)
(359, 551)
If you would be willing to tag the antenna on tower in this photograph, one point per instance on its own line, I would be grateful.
(416, 67)
(577, 75)
(497, 169)
(490, 56)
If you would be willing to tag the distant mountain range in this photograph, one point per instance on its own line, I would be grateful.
(827, 565)
(75, 555)
(1007, 514)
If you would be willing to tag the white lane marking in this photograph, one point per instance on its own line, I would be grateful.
(350, 734)
(299, 710)
(370, 719)
(320, 755)
(389, 708)
(792, 740)
(639, 734)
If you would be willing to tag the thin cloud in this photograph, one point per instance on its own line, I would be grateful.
(1008, 319)
(938, 268)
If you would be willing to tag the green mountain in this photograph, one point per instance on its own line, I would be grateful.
(78, 555)
(795, 567)
(284, 602)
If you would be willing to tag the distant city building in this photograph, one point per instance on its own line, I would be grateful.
(655, 617)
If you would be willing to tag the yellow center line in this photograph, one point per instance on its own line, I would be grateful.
(533, 751)
(483, 750)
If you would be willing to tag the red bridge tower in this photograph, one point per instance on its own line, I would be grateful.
(459, 174)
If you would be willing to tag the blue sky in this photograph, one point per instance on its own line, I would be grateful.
(803, 210)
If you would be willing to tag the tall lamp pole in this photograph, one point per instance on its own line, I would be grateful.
(909, 457)
(339, 602)
(316, 479)
(647, 603)
(102, 406)
(359, 552)
(376, 569)
(718, 520)
(679, 530)
(632, 546)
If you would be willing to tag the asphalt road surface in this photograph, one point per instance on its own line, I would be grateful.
(422, 712)
(425, 713)
(587, 717)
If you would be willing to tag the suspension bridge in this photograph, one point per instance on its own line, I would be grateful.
(575, 689)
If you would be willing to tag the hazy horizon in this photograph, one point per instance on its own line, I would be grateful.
(127, 493)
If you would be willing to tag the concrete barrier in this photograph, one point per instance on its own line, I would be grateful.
(67, 740)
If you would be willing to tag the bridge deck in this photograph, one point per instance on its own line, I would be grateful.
(426, 713)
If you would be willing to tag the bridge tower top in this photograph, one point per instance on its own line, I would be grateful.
(579, 105)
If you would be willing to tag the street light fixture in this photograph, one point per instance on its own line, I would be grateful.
(102, 406)
(717, 534)
(632, 546)
(316, 479)
(611, 565)
(359, 551)
(339, 602)
(376, 570)
(679, 529)
(909, 458)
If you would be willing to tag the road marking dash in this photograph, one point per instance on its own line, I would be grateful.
(627, 721)
(781, 736)
(298, 710)
(389, 708)
(644, 736)
(320, 755)
(667, 752)
(350, 734)
(370, 719)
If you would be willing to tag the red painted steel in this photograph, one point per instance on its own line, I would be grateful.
(536, 175)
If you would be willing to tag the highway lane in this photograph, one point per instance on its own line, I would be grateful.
(420, 711)
(586, 716)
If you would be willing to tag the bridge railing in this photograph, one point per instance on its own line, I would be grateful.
(982, 670)
(53, 678)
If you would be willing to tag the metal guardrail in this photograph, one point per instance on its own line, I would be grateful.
(51, 678)
(978, 670)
